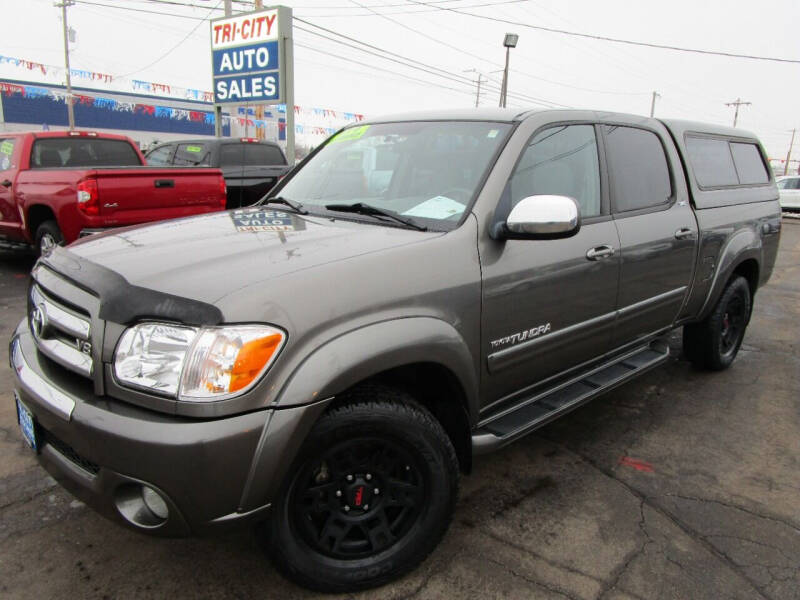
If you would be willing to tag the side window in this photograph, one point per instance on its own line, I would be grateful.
(638, 167)
(6, 153)
(160, 156)
(711, 161)
(562, 161)
(749, 164)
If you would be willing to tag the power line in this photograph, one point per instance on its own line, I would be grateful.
(367, 14)
(403, 12)
(145, 11)
(425, 68)
(175, 47)
(405, 61)
(611, 39)
(393, 73)
(141, 10)
(417, 32)
(400, 59)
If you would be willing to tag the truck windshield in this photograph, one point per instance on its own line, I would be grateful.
(56, 152)
(427, 171)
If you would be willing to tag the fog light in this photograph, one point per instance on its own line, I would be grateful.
(155, 502)
(141, 505)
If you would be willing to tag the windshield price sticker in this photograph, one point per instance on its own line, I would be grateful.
(250, 220)
(194, 149)
(7, 147)
(348, 135)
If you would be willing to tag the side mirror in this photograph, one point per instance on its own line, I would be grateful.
(543, 217)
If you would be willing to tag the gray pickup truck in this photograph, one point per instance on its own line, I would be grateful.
(250, 166)
(422, 289)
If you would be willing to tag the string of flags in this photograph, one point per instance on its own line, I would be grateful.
(244, 115)
(171, 91)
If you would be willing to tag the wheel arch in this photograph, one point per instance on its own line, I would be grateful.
(436, 388)
(742, 256)
(423, 356)
(36, 215)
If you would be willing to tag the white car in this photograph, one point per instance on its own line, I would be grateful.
(789, 189)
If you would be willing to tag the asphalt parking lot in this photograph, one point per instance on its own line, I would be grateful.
(682, 484)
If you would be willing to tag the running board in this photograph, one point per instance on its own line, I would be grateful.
(530, 414)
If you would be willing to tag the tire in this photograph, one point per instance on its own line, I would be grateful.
(323, 533)
(48, 236)
(714, 342)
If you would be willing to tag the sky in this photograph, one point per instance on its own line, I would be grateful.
(438, 53)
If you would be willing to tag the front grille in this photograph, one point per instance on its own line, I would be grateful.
(62, 332)
(69, 452)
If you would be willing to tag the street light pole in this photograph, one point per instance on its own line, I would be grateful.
(509, 42)
(505, 80)
(70, 110)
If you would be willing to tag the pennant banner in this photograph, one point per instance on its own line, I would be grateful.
(317, 121)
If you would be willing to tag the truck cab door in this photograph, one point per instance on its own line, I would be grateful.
(657, 229)
(548, 305)
(10, 223)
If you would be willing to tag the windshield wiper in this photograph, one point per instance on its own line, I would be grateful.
(296, 206)
(366, 209)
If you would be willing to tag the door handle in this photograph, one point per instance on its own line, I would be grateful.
(683, 232)
(6, 183)
(110, 205)
(165, 183)
(600, 252)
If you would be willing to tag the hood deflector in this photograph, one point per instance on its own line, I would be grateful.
(124, 303)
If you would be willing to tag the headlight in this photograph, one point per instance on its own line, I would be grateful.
(196, 364)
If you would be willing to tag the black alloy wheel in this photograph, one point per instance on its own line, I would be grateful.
(714, 342)
(369, 496)
(358, 498)
(734, 321)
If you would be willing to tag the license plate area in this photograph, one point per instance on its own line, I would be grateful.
(26, 423)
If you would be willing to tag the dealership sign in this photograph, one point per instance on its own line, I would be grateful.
(248, 57)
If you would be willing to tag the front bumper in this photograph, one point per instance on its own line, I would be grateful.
(100, 449)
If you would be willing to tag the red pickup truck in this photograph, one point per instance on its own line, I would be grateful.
(57, 186)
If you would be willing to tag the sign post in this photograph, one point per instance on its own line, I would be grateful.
(252, 62)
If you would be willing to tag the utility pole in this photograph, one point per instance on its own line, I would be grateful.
(737, 104)
(789, 154)
(218, 108)
(653, 103)
(70, 110)
(478, 91)
(479, 81)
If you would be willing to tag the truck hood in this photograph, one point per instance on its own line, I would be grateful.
(208, 257)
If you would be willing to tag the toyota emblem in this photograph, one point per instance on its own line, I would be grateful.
(38, 321)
